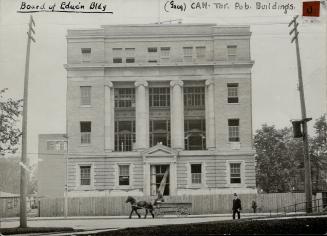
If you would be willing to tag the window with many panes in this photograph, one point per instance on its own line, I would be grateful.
(117, 55)
(85, 175)
(86, 54)
(85, 128)
(194, 97)
(152, 50)
(235, 173)
(152, 55)
(232, 93)
(85, 95)
(164, 53)
(130, 55)
(160, 132)
(188, 54)
(196, 173)
(231, 52)
(56, 146)
(200, 52)
(123, 175)
(124, 97)
(124, 135)
(195, 136)
(234, 130)
(159, 97)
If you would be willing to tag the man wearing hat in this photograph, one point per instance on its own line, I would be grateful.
(237, 207)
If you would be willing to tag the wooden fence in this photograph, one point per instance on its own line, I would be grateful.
(201, 204)
(9, 207)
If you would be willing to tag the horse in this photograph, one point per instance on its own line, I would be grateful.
(139, 205)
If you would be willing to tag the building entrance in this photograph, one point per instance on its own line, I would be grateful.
(159, 179)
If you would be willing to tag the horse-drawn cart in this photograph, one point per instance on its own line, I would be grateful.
(172, 208)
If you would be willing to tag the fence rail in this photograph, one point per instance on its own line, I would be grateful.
(317, 205)
(201, 204)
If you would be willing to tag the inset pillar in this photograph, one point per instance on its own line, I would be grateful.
(142, 115)
(177, 115)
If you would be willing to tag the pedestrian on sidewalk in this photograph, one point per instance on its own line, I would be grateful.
(254, 206)
(237, 207)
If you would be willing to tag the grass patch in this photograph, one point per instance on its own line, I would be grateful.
(30, 230)
(250, 227)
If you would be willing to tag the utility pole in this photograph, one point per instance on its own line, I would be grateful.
(307, 167)
(23, 218)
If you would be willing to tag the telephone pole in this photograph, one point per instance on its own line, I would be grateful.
(307, 167)
(23, 218)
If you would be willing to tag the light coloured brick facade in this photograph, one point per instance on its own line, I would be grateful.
(194, 57)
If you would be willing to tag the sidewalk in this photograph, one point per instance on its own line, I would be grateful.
(247, 215)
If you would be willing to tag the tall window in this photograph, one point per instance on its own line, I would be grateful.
(231, 52)
(123, 175)
(124, 135)
(195, 137)
(130, 55)
(117, 55)
(194, 97)
(85, 127)
(85, 175)
(232, 93)
(85, 95)
(86, 54)
(164, 53)
(188, 54)
(153, 55)
(200, 52)
(234, 130)
(235, 173)
(196, 173)
(159, 97)
(124, 97)
(160, 132)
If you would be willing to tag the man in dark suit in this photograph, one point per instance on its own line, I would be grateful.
(237, 207)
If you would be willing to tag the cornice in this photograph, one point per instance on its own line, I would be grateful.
(144, 65)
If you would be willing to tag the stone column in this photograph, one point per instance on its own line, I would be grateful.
(177, 115)
(142, 115)
(109, 131)
(210, 115)
(173, 177)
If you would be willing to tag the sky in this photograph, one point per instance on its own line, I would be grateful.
(275, 98)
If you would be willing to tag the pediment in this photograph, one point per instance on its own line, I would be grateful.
(160, 150)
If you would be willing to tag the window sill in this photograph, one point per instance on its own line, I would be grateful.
(160, 108)
(233, 103)
(85, 187)
(236, 185)
(85, 145)
(124, 108)
(196, 186)
(85, 106)
(123, 187)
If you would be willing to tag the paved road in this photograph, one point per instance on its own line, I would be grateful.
(91, 223)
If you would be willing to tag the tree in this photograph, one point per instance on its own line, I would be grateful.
(10, 111)
(10, 176)
(271, 151)
(318, 154)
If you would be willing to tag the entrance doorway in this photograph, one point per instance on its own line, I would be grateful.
(159, 176)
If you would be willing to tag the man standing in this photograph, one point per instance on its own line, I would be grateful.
(237, 207)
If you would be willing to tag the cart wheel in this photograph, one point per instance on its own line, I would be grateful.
(179, 212)
(157, 212)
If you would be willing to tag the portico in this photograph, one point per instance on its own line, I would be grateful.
(155, 156)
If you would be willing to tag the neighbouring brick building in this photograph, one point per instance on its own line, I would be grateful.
(149, 101)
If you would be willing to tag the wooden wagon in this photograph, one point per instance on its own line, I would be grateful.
(172, 208)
